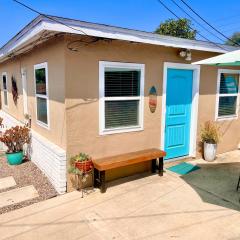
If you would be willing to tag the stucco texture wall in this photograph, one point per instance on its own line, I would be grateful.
(74, 96)
(82, 95)
(51, 52)
(230, 137)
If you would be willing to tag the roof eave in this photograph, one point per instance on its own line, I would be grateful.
(128, 37)
(41, 23)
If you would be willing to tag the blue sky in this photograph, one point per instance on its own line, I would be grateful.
(137, 14)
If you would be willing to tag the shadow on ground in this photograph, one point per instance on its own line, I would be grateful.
(218, 179)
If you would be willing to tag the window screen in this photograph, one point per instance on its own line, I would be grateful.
(228, 94)
(122, 83)
(4, 82)
(42, 110)
(41, 93)
(121, 113)
(40, 76)
(5, 93)
(121, 97)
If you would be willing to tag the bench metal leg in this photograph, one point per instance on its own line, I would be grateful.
(154, 165)
(96, 177)
(102, 182)
(238, 185)
(160, 166)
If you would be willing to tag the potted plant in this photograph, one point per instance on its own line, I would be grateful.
(15, 138)
(81, 163)
(210, 137)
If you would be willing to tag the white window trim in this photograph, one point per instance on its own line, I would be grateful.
(5, 90)
(39, 66)
(102, 66)
(218, 95)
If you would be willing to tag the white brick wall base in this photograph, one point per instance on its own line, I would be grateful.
(50, 158)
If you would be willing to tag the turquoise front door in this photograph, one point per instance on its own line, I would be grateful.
(178, 112)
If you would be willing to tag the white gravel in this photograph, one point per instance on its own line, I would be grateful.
(26, 174)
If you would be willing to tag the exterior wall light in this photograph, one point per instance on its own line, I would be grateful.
(186, 53)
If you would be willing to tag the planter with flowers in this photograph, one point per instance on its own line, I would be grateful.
(81, 166)
(210, 137)
(81, 163)
(15, 138)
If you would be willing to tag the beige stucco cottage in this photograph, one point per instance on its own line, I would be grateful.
(87, 89)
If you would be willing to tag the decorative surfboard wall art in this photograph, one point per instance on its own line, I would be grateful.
(152, 99)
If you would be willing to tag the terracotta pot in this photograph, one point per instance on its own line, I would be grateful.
(84, 166)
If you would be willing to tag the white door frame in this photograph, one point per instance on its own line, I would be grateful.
(24, 88)
(194, 110)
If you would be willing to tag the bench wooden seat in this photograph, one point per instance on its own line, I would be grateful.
(108, 163)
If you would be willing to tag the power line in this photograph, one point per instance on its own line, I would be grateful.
(229, 17)
(229, 27)
(237, 29)
(227, 24)
(208, 23)
(49, 17)
(195, 20)
(232, 30)
(166, 7)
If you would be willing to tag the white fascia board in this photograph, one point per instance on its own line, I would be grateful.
(33, 32)
(127, 37)
(40, 24)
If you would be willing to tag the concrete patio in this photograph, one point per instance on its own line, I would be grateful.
(201, 205)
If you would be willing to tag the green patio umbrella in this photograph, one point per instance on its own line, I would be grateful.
(227, 59)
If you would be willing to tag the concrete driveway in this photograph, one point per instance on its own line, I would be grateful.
(201, 205)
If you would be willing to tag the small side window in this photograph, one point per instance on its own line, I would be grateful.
(41, 92)
(228, 89)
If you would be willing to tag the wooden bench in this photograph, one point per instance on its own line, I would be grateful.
(108, 163)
